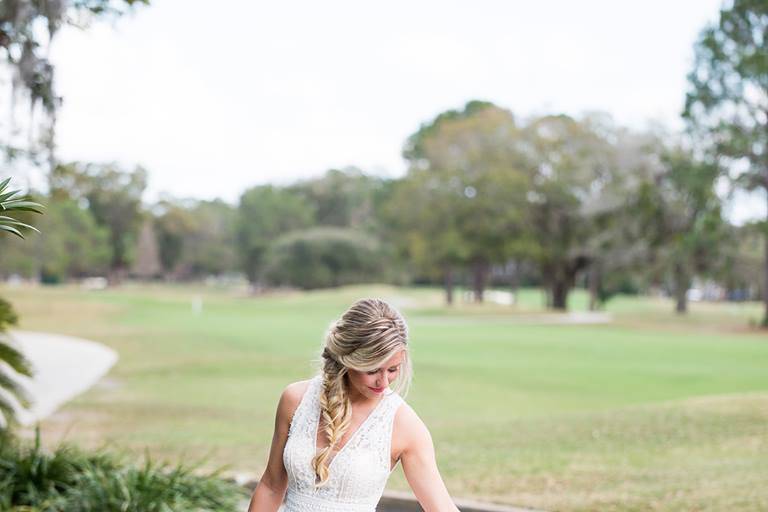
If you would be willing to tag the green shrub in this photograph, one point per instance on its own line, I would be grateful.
(72, 480)
(324, 257)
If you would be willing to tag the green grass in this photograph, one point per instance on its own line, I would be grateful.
(649, 412)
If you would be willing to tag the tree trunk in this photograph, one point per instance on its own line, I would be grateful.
(559, 293)
(546, 283)
(448, 283)
(115, 275)
(681, 284)
(594, 285)
(479, 274)
(561, 279)
(765, 263)
(514, 281)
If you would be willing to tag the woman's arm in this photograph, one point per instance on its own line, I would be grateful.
(420, 466)
(270, 491)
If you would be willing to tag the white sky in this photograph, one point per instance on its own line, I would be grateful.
(214, 97)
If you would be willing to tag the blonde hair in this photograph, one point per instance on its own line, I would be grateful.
(367, 334)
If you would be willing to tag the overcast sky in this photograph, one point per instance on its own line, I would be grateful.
(214, 97)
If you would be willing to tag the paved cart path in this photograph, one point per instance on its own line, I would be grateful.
(64, 366)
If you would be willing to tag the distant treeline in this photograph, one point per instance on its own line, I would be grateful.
(487, 199)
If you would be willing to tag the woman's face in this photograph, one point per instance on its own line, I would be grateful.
(374, 383)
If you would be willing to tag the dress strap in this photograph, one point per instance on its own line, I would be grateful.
(304, 413)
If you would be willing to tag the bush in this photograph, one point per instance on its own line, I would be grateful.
(324, 257)
(70, 480)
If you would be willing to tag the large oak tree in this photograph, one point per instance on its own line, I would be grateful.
(727, 104)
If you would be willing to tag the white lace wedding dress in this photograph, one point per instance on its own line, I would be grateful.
(358, 472)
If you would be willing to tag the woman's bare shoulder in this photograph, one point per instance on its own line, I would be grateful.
(406, 418)
(408, 429)
(295, 390)
(291, 397)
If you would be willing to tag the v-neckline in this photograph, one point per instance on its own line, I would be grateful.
(354, 434)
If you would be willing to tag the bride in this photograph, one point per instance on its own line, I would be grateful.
(339, 435)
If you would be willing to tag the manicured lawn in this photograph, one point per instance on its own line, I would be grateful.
(649, 412)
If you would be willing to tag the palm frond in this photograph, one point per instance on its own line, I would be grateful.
(11, 229)
(10, 221)
(21, 205)
(15, 359)
(14, 388)
(8, 412)
(9, 201)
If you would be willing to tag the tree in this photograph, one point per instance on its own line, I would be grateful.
(683, 220)
(27, 30)
(742, 269)
(727, 101)
(341, 197)
(71, 244)
(196, 238)
(461, 200)
(15, 360)
(146, 264)
(618, 247)
(113, 196)
(174, 224)
(420, 223)
(575, 191)
(265, 213)
(11, 203)
(212, 246)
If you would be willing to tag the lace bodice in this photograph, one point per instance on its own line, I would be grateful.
(358, 472)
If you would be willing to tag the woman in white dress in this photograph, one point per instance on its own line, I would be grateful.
(339, 435)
